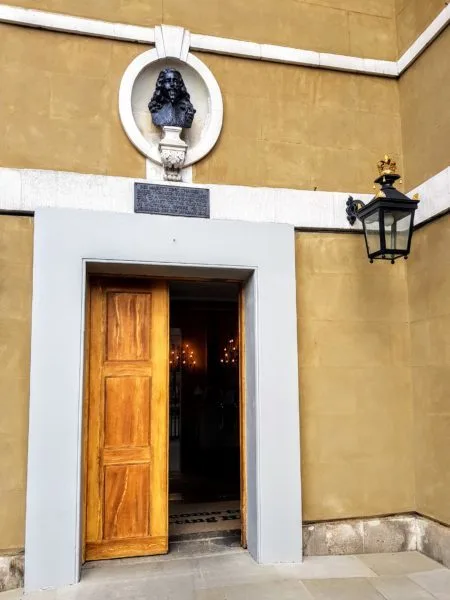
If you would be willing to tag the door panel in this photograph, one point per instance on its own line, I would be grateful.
(127, 507)
(127, 494)
(125, 427)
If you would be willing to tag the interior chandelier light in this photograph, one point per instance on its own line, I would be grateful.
(230, 354)
(182, 357)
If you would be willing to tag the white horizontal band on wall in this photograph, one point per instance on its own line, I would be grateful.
(40, 19)
(27, 190)
(206, 43)
(434, 196)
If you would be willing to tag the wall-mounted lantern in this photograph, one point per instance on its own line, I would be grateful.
(388, 219)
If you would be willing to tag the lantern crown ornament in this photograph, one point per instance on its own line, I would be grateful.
(386, 166)
(388, 219)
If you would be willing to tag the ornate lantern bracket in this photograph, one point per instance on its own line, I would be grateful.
(353, 206)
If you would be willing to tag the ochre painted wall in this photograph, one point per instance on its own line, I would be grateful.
(413, 17)
(284, 126)
(355, 380)
(424, 101)
(16, 249)
(429, 295)
(353, 27)
(365, 437)
(296, 127)
(58, 104)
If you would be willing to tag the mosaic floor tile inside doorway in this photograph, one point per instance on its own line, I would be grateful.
(203, 518)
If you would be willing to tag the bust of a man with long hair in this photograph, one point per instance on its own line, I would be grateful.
(171, 103)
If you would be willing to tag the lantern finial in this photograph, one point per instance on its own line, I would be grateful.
(386, 166)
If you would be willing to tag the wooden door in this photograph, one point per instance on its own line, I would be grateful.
(127, 423)
(242, 419)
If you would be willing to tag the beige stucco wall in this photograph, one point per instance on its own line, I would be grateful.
(429, 294)
(356, 409)
(425, 100)
(297, 127)
(366, 438)
(58, 104)
(413, 17)
(284, 126)
(355, 380)
(16, 247)
(369, 28)
(353, 27)
(289, 127)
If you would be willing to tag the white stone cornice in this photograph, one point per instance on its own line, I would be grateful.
(226, 46)
(434, 196)
(424, 39)
(27, 189)
(40, 19)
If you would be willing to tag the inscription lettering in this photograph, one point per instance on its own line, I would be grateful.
(171, 200)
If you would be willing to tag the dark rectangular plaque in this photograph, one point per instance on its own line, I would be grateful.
(171, 200)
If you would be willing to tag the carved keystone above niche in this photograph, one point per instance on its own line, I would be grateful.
(191, 101)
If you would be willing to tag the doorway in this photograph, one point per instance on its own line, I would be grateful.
(204, 410)
(261, 256)
(162, 414)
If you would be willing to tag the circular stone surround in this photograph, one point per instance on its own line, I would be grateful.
(136, 90)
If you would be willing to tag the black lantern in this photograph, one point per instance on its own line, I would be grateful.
(388, 219)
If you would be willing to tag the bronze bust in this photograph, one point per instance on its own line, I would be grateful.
(171, 103)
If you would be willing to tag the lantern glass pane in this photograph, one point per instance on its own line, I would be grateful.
(372, 231)
(397, 224)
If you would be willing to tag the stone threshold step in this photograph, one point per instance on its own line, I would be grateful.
(206, 535)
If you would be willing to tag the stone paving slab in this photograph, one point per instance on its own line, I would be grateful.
(326, 567)
(400, 588)
(273, 590)
(435, 582)
(400, 563)
(233, 575)
(342, 589)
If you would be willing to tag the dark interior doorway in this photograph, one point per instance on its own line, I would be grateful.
(204, 452)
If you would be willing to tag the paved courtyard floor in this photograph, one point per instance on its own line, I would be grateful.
(231, 574)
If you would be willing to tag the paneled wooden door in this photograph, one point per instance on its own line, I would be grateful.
(126, 495)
